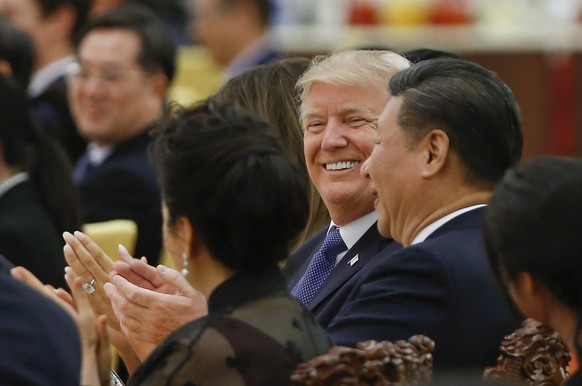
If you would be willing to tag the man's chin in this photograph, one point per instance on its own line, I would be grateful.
(95, 134)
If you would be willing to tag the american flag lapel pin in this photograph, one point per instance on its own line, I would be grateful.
(354, 260)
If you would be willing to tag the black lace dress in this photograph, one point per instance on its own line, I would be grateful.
(255, 334)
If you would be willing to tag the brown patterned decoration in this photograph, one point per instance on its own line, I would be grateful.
(403, 363)
(533, 355)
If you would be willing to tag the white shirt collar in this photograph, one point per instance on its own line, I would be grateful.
(11, 182)
(427, 231)
(98, 154)
(354, 231)
(247, 57)
(44, 77)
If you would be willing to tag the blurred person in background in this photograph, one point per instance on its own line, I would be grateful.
(235, 33)
(173, 13)
(532, 233)
(37, 195)
(52, 25)
(125, 64)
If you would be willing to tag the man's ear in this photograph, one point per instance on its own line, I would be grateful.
(435, 151)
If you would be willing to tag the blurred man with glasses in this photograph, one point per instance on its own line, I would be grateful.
(117, 90)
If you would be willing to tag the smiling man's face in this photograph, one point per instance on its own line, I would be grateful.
(339, 123)
(393, 168)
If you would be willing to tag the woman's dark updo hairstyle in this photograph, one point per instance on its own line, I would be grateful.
(224, 170)
(27, 148)
(533, 224)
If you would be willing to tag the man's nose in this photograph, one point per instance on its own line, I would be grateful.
(334, 135)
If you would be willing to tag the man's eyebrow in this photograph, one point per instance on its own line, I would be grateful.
(315, 113)
(356, 108)
(351, 108)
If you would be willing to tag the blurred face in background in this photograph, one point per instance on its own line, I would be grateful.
(216, 27)
(112, 98)
(27, 14)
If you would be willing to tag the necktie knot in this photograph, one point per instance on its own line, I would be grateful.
(333, 244)
(320, 266)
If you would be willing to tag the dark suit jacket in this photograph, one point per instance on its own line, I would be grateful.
(124, 187)
(269, 56)
(335, 290)
(51, 109)
(442, 288)
(266, 56)
(28, 236)
(576, 379)
(39, 342)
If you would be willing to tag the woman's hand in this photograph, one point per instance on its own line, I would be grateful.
(92, 265)
(150, 311)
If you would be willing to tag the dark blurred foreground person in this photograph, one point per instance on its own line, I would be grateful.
(533, 227)
(39, 343)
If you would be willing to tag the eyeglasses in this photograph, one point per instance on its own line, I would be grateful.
(110, 75)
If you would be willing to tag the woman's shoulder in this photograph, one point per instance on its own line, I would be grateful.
(255, 350)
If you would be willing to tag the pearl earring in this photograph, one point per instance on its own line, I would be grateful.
(184, 270)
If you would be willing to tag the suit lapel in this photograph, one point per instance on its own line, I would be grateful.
(355, 259)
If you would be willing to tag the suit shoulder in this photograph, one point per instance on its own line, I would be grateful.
(35, 328)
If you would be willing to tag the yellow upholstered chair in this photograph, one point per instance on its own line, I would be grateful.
(197, 76)
(109, 234)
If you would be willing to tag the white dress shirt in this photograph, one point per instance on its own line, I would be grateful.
(354, 231)
(44, 77)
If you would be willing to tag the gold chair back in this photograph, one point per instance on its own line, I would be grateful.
(109, 234)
